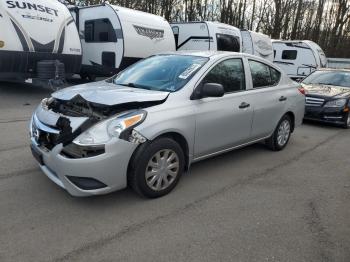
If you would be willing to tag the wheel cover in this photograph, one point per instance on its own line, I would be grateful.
(162, 169)
(283, 133)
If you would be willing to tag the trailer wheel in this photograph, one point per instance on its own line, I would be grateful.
(88, 77)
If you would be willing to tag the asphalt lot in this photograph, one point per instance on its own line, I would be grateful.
(248, 205)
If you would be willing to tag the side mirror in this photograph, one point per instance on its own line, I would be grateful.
(212, 90)
(208, 90)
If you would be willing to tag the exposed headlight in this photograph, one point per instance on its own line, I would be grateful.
(114, 127)
(336, 103)
(46, 102)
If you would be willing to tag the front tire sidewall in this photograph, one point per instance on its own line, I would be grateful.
(143, 155)
(346, 124)
(273, 140)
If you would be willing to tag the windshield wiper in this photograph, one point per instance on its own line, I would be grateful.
(326, 84)
(282, 62)
(134, 85)
(311, 66)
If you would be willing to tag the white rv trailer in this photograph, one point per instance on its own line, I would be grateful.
(115, 37)
(220, 37)
(298, 58)
(34, 36)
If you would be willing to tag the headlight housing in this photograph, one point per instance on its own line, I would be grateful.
(336, 103)
(116, 127)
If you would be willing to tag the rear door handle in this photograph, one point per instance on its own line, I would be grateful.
(282, 98)
(244, 105)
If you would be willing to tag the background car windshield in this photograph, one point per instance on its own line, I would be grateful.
(329, 78)
(163, 72)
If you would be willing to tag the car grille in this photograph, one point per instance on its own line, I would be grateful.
(313, 101)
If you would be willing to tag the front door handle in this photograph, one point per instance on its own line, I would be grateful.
(282, 98)
(244, 105)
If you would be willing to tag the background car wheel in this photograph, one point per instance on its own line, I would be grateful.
(347, 121)
(281, 135)
(156, 168)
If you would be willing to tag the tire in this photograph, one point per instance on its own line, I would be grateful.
(346, 124)
(148, 167)
(88, 77)
(83, 76)
(281, 135)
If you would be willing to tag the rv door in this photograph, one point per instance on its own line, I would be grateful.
(102, 40)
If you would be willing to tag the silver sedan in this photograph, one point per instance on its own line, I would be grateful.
(145, 126)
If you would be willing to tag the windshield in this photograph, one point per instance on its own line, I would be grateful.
(162, 72)
(333, 78)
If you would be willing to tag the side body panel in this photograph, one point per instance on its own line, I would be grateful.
(144, 34)
(32, 31)
(93, 51)
(192, 36)
(220, 28)
(304, 63)
(257, 44)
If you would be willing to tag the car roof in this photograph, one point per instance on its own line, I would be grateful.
(201, 53)
(334, 70)
(212, 54)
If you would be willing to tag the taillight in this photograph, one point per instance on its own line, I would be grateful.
(301, 90)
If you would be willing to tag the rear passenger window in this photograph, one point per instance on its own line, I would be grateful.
(263, 75)
(289, 54)
(229, 73)
(275, 76)
(100, 30)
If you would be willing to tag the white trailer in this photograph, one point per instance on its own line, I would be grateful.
(221, 37)
(38, 41)
(298, 58)
(115, 37)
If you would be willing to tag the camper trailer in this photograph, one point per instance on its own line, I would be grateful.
(114, 37)
(39, 41)
(298, 58)
(221, 37)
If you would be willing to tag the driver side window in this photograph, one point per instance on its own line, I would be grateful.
(229, 73)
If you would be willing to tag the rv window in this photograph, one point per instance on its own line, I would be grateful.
(227, 43)
(263, 75)
(100, 30)
(229, 73)
(289, 54)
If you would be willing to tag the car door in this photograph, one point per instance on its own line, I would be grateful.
(223, 122)
(269, 98)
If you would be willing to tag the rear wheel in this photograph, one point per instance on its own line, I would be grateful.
(156, 168)
(281, 135)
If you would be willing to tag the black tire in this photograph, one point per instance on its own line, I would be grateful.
(88, 77)
(83, 76)
(140, 161)
(272, 141)
(346, 124)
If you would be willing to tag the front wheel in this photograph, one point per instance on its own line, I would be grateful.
(156, 168)
(281, 135)
(347, 121)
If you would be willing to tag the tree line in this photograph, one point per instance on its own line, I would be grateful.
(326, 22)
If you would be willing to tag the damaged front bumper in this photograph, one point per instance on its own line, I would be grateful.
(90, 174)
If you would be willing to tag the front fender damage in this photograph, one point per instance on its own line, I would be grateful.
(78, 108)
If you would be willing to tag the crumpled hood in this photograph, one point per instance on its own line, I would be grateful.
(327, 91)
(110, 94)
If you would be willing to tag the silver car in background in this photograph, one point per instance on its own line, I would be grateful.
(145, 126)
